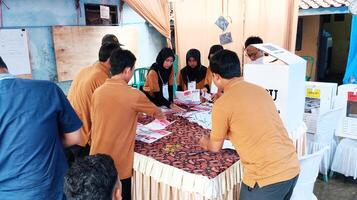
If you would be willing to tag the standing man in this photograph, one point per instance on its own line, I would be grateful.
(114, 110)
(247, 115)
(82, 88)
(36, 123)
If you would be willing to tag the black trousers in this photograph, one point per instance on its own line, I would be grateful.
(277, 191)
(126, 189)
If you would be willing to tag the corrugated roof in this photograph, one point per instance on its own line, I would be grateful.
(307, 4)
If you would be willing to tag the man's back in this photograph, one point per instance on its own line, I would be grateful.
(81, 91)
(257, 133)
(33, 117)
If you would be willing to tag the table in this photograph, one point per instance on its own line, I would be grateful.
(171, 168)
(175, 167)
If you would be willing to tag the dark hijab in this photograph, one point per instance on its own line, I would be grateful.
(158, 65)
(193, 74)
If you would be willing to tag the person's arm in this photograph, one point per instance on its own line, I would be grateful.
(144, 105)
(68, 122)
(70, 139)
(220, 127)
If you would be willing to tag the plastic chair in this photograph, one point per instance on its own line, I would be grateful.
(345, 160)
(140, 77)
(310, 60)
(309, 169)
(326, 126)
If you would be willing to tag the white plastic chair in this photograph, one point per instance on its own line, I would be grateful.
(309, 169)
(345, 160)
(326, 126)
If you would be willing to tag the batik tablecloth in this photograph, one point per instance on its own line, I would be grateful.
(174, 167)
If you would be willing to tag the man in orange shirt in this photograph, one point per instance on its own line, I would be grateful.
(114, 111)
(246, 114)
(81, 90)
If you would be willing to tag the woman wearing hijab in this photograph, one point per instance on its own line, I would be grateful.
(213, 89)
(160, 79)
(193, 76)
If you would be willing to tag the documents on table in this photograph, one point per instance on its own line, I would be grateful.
(158, 124)
(188, 96)
(147, 135)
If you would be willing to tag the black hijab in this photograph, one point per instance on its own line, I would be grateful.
(158, 65)
(193, 74)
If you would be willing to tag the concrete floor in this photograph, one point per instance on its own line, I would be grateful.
(338, 188)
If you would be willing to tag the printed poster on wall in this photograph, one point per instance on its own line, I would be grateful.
(350, 119)
(312, 108)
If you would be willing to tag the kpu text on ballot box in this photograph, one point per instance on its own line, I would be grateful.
(284, 80)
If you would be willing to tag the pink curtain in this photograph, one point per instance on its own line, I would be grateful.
(275, 21)
(156, 12)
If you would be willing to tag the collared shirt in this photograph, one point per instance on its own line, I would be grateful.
(247, 114)
(34, 115)
(115, 106)
(4, 76)
(80, 95)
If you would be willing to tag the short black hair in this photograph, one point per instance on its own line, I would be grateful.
(252, 40)
(214, 49)
(225, 63)
(2, 63)
(121, 59)
(106, 50)
(91, 178)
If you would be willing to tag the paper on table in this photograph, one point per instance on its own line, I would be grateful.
(193, 96)
(149, 136)
(158, 124)
(227, 144)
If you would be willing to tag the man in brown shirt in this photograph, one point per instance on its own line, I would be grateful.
(114, 112)
(246, 114)
(81, 90)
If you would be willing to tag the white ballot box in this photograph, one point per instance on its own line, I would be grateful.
(347, 97)
(284, 80)
(318, 100)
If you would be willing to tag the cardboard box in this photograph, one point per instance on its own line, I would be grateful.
(319, 98)
(284, 80)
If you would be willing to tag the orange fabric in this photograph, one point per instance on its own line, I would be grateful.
(114, 110)
(208, 79)
(80, 95)
(248, 116)
(156, 12)
(152, 82)
(274, 21)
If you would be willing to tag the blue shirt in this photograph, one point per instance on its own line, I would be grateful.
(34, 115)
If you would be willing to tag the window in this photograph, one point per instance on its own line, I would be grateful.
(92, 14)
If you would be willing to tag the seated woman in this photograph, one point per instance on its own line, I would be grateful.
(213, 89)
(160, 79)
(193, 75)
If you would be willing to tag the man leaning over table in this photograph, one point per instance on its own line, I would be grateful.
(114, 113)
(246, 114)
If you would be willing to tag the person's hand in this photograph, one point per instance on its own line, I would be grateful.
(216, 96)
(204, 142)
(176, 108)
(160, 116)
(204, 90)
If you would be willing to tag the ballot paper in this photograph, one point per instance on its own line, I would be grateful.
(149, 136)
(158, 124)
(188, 96)
(207, 96)
(202, 118)
(227, 144)
(202, 107)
